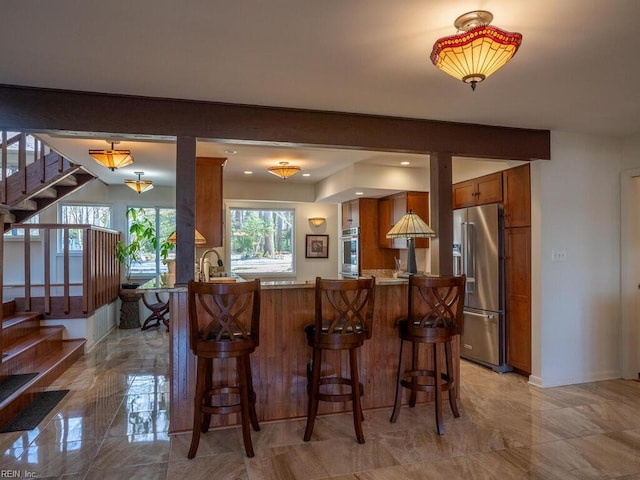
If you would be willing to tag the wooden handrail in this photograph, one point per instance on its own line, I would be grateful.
(100, 268)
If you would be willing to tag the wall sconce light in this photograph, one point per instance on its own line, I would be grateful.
(317, 221)
(112, 159)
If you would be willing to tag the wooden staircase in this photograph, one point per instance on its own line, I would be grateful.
(29, 347)
(36, 185)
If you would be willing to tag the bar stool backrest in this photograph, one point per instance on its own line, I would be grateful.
(435, 306)
(344, 310)
(224, 317)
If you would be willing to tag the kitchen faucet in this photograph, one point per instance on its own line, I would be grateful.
(204, 275)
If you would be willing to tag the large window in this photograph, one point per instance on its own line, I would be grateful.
(163, 220)
(97, 215)
(262, 241)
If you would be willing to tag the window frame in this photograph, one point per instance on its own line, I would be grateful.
(60, 240)
(269, 274)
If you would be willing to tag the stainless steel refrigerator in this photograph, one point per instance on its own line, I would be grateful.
(478, 252)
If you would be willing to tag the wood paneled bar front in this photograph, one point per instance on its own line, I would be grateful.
(280, 362)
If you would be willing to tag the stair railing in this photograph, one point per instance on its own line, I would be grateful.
(39, 150)
(100, 270)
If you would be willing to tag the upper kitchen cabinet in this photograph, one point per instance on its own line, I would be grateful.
(478, 191)
(209, 211)
(517, 196)
(351, 214)
(392, 208)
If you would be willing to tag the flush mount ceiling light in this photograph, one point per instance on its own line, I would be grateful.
(284, 170)
(478, 51)
(140, 186)
(112, 159)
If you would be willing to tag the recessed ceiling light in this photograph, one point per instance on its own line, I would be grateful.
(359, 193)
(306, 174)
(248, 172)
(405, 163)
(230, 152)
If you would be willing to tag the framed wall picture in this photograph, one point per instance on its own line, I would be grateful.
(317, 246)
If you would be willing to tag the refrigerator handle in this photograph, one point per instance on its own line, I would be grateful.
(469, 256)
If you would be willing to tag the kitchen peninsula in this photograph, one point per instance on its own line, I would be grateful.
(280, 362)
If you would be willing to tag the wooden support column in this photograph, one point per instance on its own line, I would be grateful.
(441, 214)
(185, 209)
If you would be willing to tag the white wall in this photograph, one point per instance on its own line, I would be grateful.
(630, 261)
(576, 208)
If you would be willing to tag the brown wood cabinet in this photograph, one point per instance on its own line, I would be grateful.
(518, 297)
(478, 191)
(517, 196)
(392, 208)
(351, 214)
(209, 211)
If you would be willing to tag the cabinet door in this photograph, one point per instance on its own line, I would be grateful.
(399, 209)
(464, 194)
(209, 219)
(419, 203)
(518, 297)
(385, 222)
(517, 196)
(489, 189)
(350, 216)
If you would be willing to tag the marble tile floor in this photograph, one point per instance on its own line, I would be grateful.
(113, 425)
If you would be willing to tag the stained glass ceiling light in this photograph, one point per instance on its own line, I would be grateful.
(478, 51)
(112, 158)
(140, 186)
(284, 170)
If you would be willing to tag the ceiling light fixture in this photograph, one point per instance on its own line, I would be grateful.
(112, 159)
(140, 186)
(478, 51)
(284, 170)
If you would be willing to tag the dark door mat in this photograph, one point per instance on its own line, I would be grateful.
(13, 383)
(31, 415)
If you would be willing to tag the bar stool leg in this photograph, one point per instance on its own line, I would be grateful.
(252, 398)
(312, 410)
(398, 401)
(414, 379)
(244, 403)
(355, 391)
(438, 387)
(197, 408)
(453, 403)
(206, 399)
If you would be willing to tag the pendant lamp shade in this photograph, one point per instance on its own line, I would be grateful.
(478, 51)
(140, 186)
(112, 158)
(199, 239)
(284, 170)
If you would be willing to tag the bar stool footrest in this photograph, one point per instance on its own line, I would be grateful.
(336, 397)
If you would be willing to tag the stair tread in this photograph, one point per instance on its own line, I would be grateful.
(44, 366)
(24, 343)
(19, 317)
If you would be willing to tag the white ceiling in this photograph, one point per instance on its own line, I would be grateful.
(576, 71)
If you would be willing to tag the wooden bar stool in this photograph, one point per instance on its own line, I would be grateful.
(435, 313)
(224, 322)
(343, 318)
(158, 311)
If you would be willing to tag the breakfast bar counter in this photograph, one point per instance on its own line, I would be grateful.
(280, 362)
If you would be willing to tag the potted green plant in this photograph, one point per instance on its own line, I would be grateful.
(142, 233)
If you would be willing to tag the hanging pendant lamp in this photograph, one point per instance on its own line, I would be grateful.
(478, 51)
(112, 158)
(140, 186)
(284, 170)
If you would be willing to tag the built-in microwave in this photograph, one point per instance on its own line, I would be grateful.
(350, 251)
